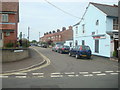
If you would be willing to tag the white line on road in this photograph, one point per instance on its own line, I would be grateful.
(71, 75)
(56, 75)
(39, 76)
(37, 73)
(69, 72)
(20, 73)
(96, 72)
(3, 76)
(83, 72)
(108, 71)
(113, 73)
(20, 76)
(88, 75)
(102, 74)
(117, 71)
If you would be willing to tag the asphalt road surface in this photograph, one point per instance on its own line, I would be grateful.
(66, 72)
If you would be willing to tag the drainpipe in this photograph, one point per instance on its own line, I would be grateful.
(119, 32)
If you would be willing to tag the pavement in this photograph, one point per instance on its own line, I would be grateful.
(34, 59)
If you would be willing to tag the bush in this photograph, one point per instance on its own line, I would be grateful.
(114, 53)
(9, 45)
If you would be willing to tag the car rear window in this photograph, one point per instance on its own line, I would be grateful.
(66, 47)
(85, 48)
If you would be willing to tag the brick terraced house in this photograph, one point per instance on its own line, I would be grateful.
(59, 36)
(9, 18)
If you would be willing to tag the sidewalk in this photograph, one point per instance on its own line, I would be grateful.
(34, 58)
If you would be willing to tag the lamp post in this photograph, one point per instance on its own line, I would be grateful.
(28, 33)
(119, 32)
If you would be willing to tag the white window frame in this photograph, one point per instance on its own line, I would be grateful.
(115, 24)
(4, 18)
(7, 33)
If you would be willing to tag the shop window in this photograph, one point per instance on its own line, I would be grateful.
(115, 24)
(4, 17)
(97, 46)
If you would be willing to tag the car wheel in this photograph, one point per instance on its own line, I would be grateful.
(70, 54)
(77, 56)
(89, 57)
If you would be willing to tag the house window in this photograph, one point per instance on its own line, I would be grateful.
(4, 17)
(83, 42)
(7, 33)
(70, 44)
(0, 36)
(76, 29)
(83, 28)
(115, 24)
(97, 22)
(97, 46)
(76, 43)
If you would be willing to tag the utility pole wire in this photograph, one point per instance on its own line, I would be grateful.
(62, 10)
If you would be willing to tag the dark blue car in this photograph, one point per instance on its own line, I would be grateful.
(80, 51)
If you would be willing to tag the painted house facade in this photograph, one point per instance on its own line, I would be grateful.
(9, 18)
(98, 29)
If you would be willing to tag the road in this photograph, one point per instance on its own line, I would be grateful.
(67, 72)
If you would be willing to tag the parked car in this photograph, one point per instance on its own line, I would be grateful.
(56, 47)
(44, 46)
(63, 49)
(81, 51)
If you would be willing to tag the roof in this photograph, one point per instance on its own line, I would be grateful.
(10, 6)
(107, 9)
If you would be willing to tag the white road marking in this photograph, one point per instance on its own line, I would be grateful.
(37, 73)
(108, 71)
(39, 76)
(96, 72)
(88, 75)
(69, 72)
(20, 76)
(101, 74)
(20, 73)
(113, 73)
(56, 75)
(117, 71)
(83, 72)
(3, 76)
(71, 75)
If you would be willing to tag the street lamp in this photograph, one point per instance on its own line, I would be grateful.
(28, 32)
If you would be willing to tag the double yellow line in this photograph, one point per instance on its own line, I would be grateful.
(32, 69)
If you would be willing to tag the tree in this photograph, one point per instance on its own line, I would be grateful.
(33, 41)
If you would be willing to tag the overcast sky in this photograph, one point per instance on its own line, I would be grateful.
(43, 17)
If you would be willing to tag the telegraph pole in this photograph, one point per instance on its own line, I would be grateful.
(28, 33)
(119, 32)
(39, 36)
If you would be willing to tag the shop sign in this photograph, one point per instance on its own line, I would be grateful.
(99, 37)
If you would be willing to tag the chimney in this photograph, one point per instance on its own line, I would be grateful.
(70, 27)
(58, 30)
(53, 31)
(63, 28)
